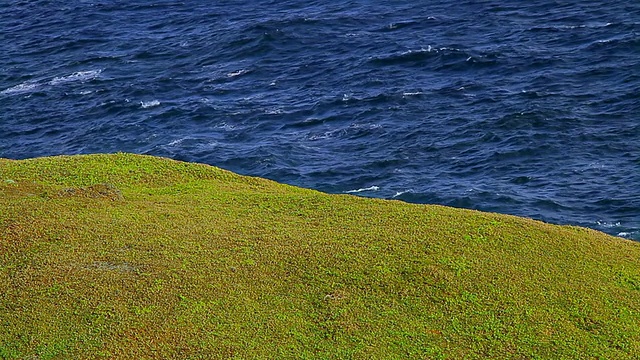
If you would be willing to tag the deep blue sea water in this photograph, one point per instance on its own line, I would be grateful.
(529, 108)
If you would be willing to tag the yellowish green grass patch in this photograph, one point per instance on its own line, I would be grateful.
(129, 256)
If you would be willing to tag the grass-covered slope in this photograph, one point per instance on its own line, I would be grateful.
(128, 256)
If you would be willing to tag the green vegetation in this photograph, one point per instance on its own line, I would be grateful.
(128, 256)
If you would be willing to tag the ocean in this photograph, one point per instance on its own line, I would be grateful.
(525, 108)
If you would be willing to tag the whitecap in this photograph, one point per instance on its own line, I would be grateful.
(176, 142)
(319, 137)
(421, 50)
(624, 234)
(398, 193)
(365, 126)
(370, 188)
(274, 111)
(603, 41)
(110, 102)
(412, 93)
(226, 127)
(452, 49)
(76, 76)
(608, 224)
(237, 73)
(20, 88)
(149, 104)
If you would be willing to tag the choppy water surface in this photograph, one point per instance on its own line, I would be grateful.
(527, 108)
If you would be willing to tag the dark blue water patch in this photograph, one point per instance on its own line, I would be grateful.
(527, 109)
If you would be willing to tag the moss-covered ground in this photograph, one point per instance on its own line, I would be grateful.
(128, 256)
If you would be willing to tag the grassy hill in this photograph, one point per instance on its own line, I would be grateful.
(129, 256)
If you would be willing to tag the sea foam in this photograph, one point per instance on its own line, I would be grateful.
(20, 88)
(370, 188)
(237, 73)
(148, 104)
(81, 76)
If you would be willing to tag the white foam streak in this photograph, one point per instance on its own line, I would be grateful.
(398, 193)
(77, 76)
(19, 89)
(370, 188)
(421, 50)
(176, 142)
(237, 73)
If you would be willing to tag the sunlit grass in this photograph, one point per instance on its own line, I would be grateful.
(128, 256)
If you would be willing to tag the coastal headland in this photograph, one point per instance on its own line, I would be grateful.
(132, 256)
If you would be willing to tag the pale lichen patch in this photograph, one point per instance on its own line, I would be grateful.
(97, 191)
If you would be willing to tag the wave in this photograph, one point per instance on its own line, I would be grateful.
(149, 104)
(20, 88)
(449, 58)
(621, 42)
(608, 224)
(351, 132)
(237, 73)
(370, 188)
(631, 235)
(177, 142)
(408, 56)
(34, 85)
(81, 76)
(398, 25)
(570, 27)
(400, 193)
